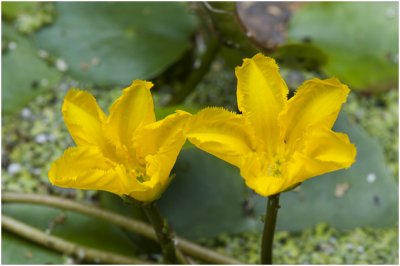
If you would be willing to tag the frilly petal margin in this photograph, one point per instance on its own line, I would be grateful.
(261, 96)
(161, 136)
(221, 133)
(316, 103)
(134, 108)
(323, 151)
(86, 168)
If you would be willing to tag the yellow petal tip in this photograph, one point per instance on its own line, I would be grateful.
(141, 83)
(258, 59)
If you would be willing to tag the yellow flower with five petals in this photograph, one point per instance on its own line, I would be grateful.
(126, 152)
(277, 143)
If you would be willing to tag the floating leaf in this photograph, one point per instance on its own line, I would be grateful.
(116, 204)
(360, 40)
(206, 198)
(15, 250)
(114, 43)
(24, 74)
(72, 226)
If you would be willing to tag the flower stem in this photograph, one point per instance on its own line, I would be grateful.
(269, 229)
(163, 232)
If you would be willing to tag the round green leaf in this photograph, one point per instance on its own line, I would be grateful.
(360, 40)
(15, 250)
(72, 226)
(114, 43)
(206, 198)
(24, 73)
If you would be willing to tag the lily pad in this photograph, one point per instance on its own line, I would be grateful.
(206, 198)
(71, 226)
(360, 40)
(15, 250)
(114, 43)
(24, 73)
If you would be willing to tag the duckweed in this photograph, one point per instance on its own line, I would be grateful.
(321, 244)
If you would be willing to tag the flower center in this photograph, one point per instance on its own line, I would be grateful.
(275, 167)
(140, 176)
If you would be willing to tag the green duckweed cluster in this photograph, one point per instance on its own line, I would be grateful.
(31, 138)
(318, 245)
(28, 17)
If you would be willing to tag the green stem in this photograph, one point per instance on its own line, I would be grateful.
(163, 232)
(132, 225)
(269, 229)
(197, 74)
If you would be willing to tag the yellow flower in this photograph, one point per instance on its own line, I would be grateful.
(276, 143)
(127, 152)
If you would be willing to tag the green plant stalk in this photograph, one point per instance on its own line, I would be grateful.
(63, 246)
(132, 225)
(228, 27)
(269, 229)
(163, 232)
(197, 74)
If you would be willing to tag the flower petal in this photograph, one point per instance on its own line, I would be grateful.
(265, 185)
(261, 95)
(323, 151)
(157, 147)
(133, 109)
(328, 146)
(84, 118)
(162, 136)
(223, 134)
(86, 168)
(149, 193)
(316, 103)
